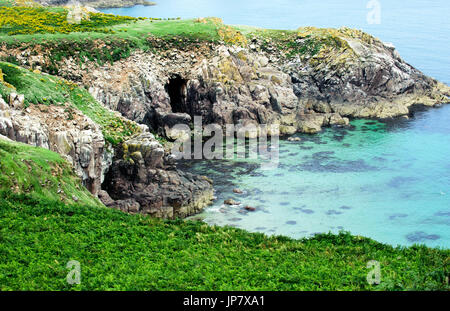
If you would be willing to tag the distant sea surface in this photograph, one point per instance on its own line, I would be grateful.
(388, 181)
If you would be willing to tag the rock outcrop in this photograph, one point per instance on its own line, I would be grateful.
(138, 176)
(359, 76)
(60, 128)
(143, 179)
(224, 85)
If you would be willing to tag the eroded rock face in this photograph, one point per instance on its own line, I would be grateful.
(365, 78)
(235, 85)
(224, 85)
(142, 180)
(62, 129)
(358, 76)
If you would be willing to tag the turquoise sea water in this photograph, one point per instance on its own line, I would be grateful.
(388, 181)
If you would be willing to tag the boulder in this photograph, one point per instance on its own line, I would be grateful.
(231, 202)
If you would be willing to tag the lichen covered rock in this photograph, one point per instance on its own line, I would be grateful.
(142, 180)
(62, 129)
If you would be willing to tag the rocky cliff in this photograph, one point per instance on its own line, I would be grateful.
(78, 139)
(136, 175)
(144, 179)
(317, 78)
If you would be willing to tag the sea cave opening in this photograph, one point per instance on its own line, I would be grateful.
(176, 88)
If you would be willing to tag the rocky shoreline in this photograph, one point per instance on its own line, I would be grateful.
(361, 77)
(254, 85)
(139, 175)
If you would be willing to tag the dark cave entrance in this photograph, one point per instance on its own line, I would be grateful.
(176, 88)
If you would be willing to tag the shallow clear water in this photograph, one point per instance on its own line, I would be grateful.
(387, 181)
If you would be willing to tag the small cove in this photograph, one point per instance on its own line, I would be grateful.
(387, 181)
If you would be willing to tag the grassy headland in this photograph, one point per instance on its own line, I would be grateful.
(108, 38)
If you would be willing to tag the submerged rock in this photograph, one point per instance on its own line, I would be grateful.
(250, 208)
(333, 212)
(420, 236)
(231, 202)
(292, 139)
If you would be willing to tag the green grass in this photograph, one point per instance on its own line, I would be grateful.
(118, 251)
(123, 35)
(45, 89)
(135, 31)
(39, 173)
(107, 47)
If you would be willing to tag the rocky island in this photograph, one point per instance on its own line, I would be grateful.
(104, 96)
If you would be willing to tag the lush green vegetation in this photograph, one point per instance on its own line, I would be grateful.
(42, 228)
(100, 26)
(41, 174)
(131, 252)
(103, 37)
(117, 43)
(40, 88)
(108, 38)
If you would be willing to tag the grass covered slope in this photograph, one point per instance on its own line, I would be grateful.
(125, 252)
(108, 38)
(41, 174)
(44, 89)
(105, 38)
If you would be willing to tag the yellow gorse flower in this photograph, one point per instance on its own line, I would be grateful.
(31, 20)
